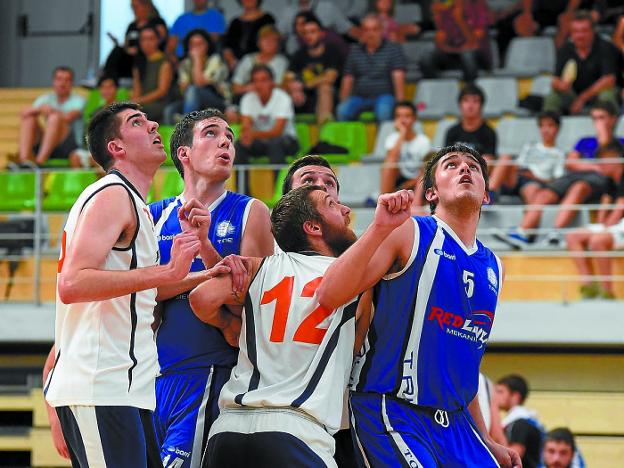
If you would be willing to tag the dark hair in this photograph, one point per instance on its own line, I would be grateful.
(405, 104)
(310, 17)
(561, 434)
(583, 15)
(307, 160)
(614, 146)
(372, 7)
(261, 67)
(104, 127)
(183, 133)
(606, 106)
(430, 166)
(104, 78)
(200, 32)
(471, 89)
(288, 216)
(151, 27)
(258, 2)
(515, 383)
(552, 115)
(63, 68)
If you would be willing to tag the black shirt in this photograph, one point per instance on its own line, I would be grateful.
(132, 33)
(242, 36)
(482, 139)
(307, 67)
(523, 432)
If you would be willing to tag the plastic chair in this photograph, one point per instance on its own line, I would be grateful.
(501, 95)
(436, 98)
(529, 56)
(303, 135)
(95, 101)
(63, 189)
(166, 132)
(17, 191)
(514, 133)
(351, 135)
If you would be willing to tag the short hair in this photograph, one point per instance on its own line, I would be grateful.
(268, 29)
(307, 160)
(104, 78)
(409, 104)
(310, 17)
(606, 106)
(430, 166)
(151, 27)
(614, 146)
(104, 127)
(197, 32)
(515, 383)
(288, 216)
(471, 89)
(258, 2)
(183, 132)
(63, 68)
(261, 67)
(561, 434)
(583, 15)
(552, 115)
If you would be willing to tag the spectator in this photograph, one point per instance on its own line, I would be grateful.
(269, 55)
(152, 76)
(392, 30)
(537, 164)
(489, 409)
(560, 13)
(405, 152)
(506, 14)
(313, 73)
(267, 120)
(241, 37)
(560, 450)
(326, 11)
(374, 75)
(585, 72)
(60, 111)
(202, 77)
(461, 38)
(605, 235)
(121, 59)
(586, 180)
(203, 17)
(523, 430)
(472, 128)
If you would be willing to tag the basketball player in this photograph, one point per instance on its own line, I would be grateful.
(195, 360)
(414, 387)
(285, 395)
(102, 383)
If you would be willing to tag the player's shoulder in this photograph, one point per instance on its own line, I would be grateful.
(156, 208)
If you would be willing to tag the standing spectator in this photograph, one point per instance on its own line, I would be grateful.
(586, 70)
(313, 73)
(374, 75)
(152, 76)
(472, 128)
(392, 30)
(60, 111)
(202, 77)
(560, 450)
(121, 59)
(241, 37)
(267, 120)
(523, 430)
(461, 38)
(203, 17)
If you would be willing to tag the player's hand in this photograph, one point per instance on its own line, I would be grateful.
(506, 457)
(57, 438)
(184, 250)
(195, 217)
(240, 267)
(393, 209)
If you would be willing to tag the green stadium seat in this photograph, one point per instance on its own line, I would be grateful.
(166, 132)
(305, 118)
(95, 101)
(351, 135)
(172, 186)
(277, 194)
(367, 116)
(63, 189)
(57, 163)
(17, 191)
(303, 135)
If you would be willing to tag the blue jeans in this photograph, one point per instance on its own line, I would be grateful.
(196, 98)
(382, 105)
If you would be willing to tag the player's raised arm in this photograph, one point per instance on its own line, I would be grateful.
(98, 231)
(366, 261)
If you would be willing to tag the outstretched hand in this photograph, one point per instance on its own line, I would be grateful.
(195, 217)
(393, 209)
(240, 268)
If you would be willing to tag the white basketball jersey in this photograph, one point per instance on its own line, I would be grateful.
(293, 352)
(105, 350)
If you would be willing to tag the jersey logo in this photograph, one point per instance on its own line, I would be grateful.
(442, 253)
(476, 329)
(225, 228)
(492, 278)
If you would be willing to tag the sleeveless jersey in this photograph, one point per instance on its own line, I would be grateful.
(183, 341)
(293, 352)
(106, 354)
(432, 321)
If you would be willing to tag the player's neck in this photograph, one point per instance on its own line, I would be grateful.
(205, 190)
(320, 247)
(462, 224)
(140, 177)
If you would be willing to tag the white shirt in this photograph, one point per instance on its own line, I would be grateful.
(547, 163)
(412, 153)
(242, 72)
(279, 106)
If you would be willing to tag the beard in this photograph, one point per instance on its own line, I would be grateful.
(338, 240)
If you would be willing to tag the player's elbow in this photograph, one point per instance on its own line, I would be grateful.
(326, 297)
(68, 292)
(202, 306)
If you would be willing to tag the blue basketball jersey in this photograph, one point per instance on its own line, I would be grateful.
(432, 321)
(184, 341)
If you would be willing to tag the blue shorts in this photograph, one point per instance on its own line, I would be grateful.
(389, 432)
(186, 407)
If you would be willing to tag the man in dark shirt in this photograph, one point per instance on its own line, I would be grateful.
(472, 128)
(313, 72)
(523, 431)
(374, 75)
(586, 70)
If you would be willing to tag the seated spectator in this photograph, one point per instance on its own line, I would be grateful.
(326, 11)
(586, 70)
(605, 235)
(121, 59)
(108, 86)
(203, 17)
(48, 128)
(313, 73)
(332, 38)
(152, 76)
(472, 129)
(587, 180)
(405, 152)
(202, 77)
(560, 450)
(269, 55)
(461, 38)
(267, 120)
(537, 164)
(241, 37)
(374, 75)
(392, 30)
(523, 430)
(507, 15)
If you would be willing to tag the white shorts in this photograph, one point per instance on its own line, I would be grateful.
(617, 231)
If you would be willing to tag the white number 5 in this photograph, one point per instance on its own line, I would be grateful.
(469, 282)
